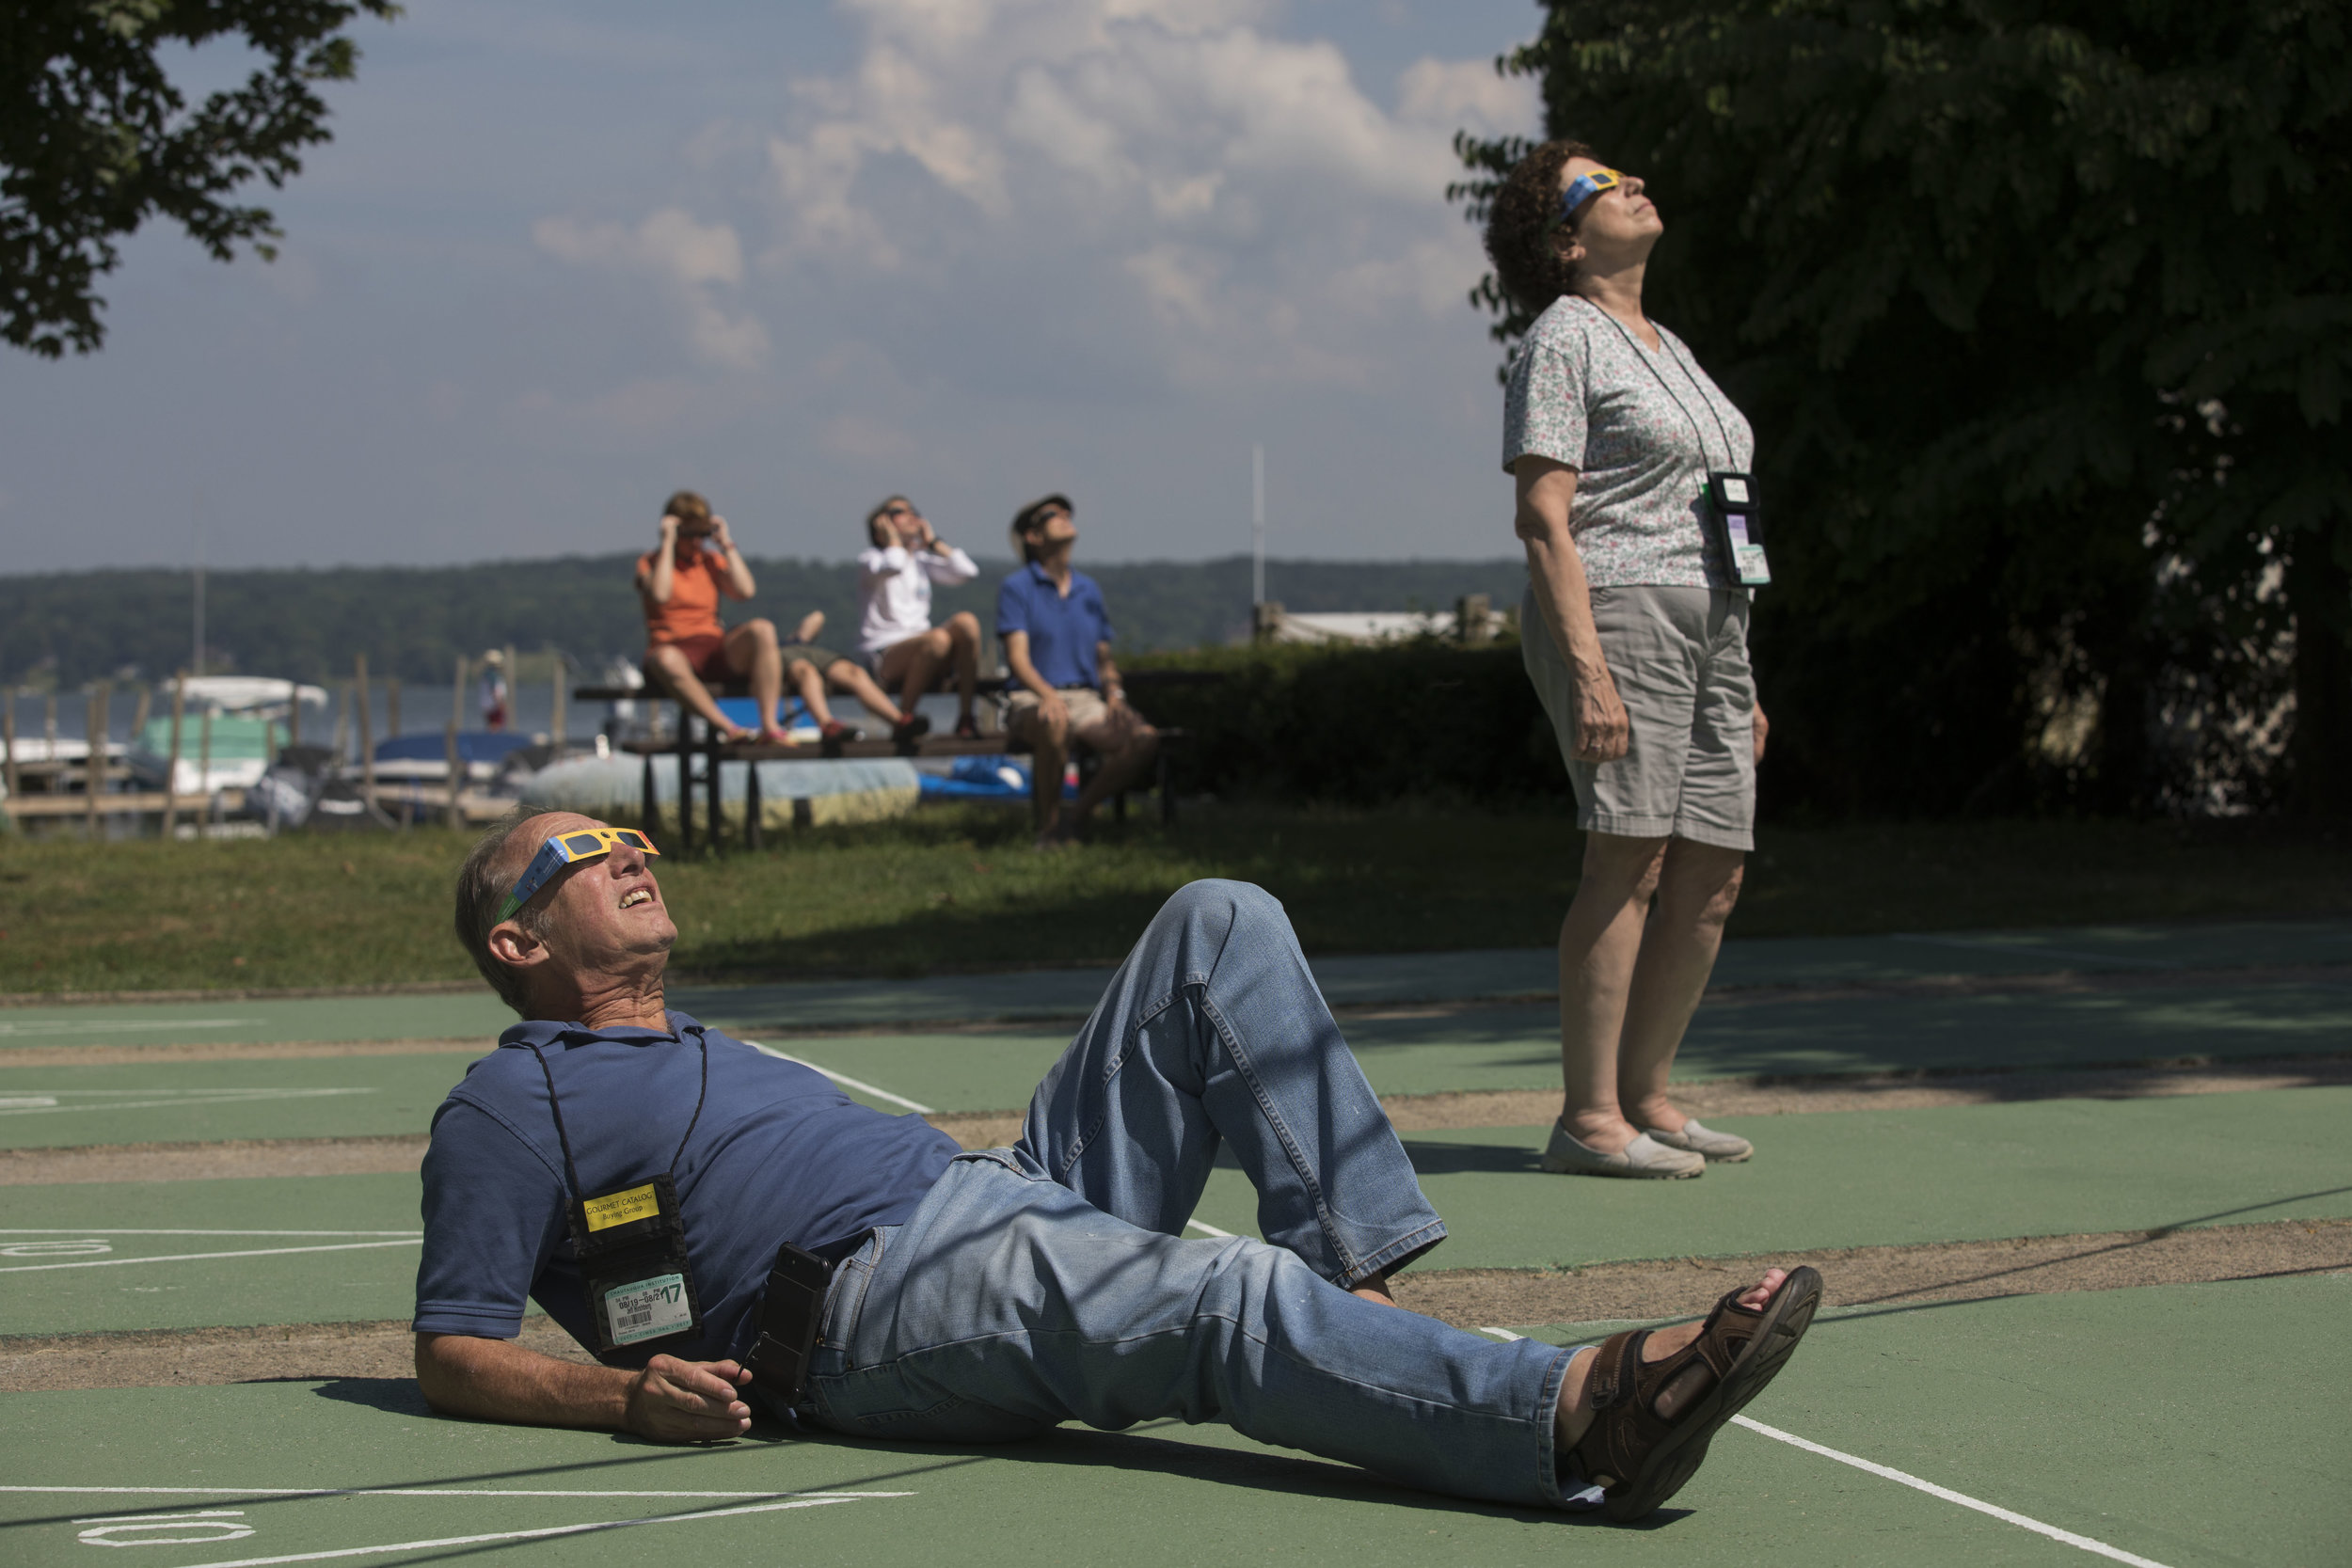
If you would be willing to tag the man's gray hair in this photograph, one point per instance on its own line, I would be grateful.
(483, 884)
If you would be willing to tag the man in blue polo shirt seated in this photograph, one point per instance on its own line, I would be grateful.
(721, 1225)
(1057, 642)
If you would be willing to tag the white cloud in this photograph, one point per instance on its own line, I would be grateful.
(693, 260)
(1240, 194)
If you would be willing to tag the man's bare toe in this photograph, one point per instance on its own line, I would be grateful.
(1759, 1296)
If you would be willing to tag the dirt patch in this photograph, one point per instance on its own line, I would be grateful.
(1468, 1298)
(215, 1355)
(1864, 1276)
(230, 1051)
(29, 1167)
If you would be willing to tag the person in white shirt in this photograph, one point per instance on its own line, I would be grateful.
(907, 654)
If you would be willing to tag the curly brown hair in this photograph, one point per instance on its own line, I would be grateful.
(1521, 221)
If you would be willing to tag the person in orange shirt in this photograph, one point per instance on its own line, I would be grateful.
(679, 582)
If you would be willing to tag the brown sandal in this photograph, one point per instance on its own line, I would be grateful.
(1651, 1423)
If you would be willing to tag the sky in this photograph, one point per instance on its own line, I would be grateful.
(560, 260)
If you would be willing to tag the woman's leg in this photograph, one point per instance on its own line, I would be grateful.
(1696, 889)
(1601, 943)
(912, 667)
(1213, 1035)
(848, 674)
(751, 650)
(674, 673)
(963, 639)
(811, 685)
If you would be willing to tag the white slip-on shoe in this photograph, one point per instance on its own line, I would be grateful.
(1645, 1158)
(1720, 1146)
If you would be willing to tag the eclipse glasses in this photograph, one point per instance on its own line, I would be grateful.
(1584, 187)
(588, 844)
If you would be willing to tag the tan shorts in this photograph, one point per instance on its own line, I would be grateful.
(1085, 705)
(1679, 659)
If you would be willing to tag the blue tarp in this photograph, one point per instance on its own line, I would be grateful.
(996, 778)
(472, 745)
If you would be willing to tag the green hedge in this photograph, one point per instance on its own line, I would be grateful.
(1359, 725)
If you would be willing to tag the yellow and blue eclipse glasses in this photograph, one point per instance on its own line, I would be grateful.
(1584, 187)
(564, 849)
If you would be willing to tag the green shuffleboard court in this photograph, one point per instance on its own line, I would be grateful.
(2173, 1427)
(331, 1097)
(1347, 980)
(1888, 1178)
(1834, 1179)
(1517, 1046)
(85, 1258)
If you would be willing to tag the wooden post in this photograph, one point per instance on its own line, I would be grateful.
(367, 728)
(8, 735)
(204, 768)
(555, 725)
(456, 773)
(293, 713)
(138, 713)
(342, 724)
(392, 706)
(1265, 620)
(48, 727)
(97, 712)
(171, 767)
(1469, 620)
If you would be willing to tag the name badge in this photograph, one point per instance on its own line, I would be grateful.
(632, 1262)
(1738, 525)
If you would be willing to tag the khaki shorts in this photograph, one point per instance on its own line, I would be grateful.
(1085, 705)
(1680, 657)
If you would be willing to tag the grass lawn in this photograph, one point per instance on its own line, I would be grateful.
(958, 888)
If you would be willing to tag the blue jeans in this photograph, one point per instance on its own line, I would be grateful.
(1050, 1282)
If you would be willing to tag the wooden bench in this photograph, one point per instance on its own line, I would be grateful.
(695, 740)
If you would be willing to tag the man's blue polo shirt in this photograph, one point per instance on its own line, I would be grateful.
(778, 1155)
(1062, 632)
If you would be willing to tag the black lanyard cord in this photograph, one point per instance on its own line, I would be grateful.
(571, 1171)
(1730, 454)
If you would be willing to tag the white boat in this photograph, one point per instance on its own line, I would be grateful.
(248, 724)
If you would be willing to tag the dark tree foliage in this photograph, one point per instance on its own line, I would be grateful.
(95, 139)
(2043, 310)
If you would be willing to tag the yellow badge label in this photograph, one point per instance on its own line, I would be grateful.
(636, 1203)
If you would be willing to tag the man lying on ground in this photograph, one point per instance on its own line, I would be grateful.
(721, 1225)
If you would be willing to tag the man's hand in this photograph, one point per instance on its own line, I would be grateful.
(688, 1401)
(1603, 732)
(1762, 726)
(1051, 709)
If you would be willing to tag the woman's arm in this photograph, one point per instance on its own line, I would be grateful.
(656, 585)
(1546, 492)
(738, 581)
(497, 1380)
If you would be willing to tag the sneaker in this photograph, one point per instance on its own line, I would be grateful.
(1701, 1141)
(1645, 1158)
(909, 730)
(833, 733)
(967, 728)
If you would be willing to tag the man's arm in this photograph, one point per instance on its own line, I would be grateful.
(1017, 659)
(497, 1380)
(1106, 676)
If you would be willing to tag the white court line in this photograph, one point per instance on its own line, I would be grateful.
(110, 1230)
(2034, 949)
(192, 1098)
(405, 1492)
(843, 1079)
(86, 1028)
(1209, 1229)
(2021, 1521)
(543, 1534)
(201, 1257)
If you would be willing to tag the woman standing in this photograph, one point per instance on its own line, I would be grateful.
(1636, 640)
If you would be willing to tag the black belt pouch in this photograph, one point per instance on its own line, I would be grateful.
(789, 1316)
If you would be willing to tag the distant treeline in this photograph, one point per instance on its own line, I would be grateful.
(416, 622)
